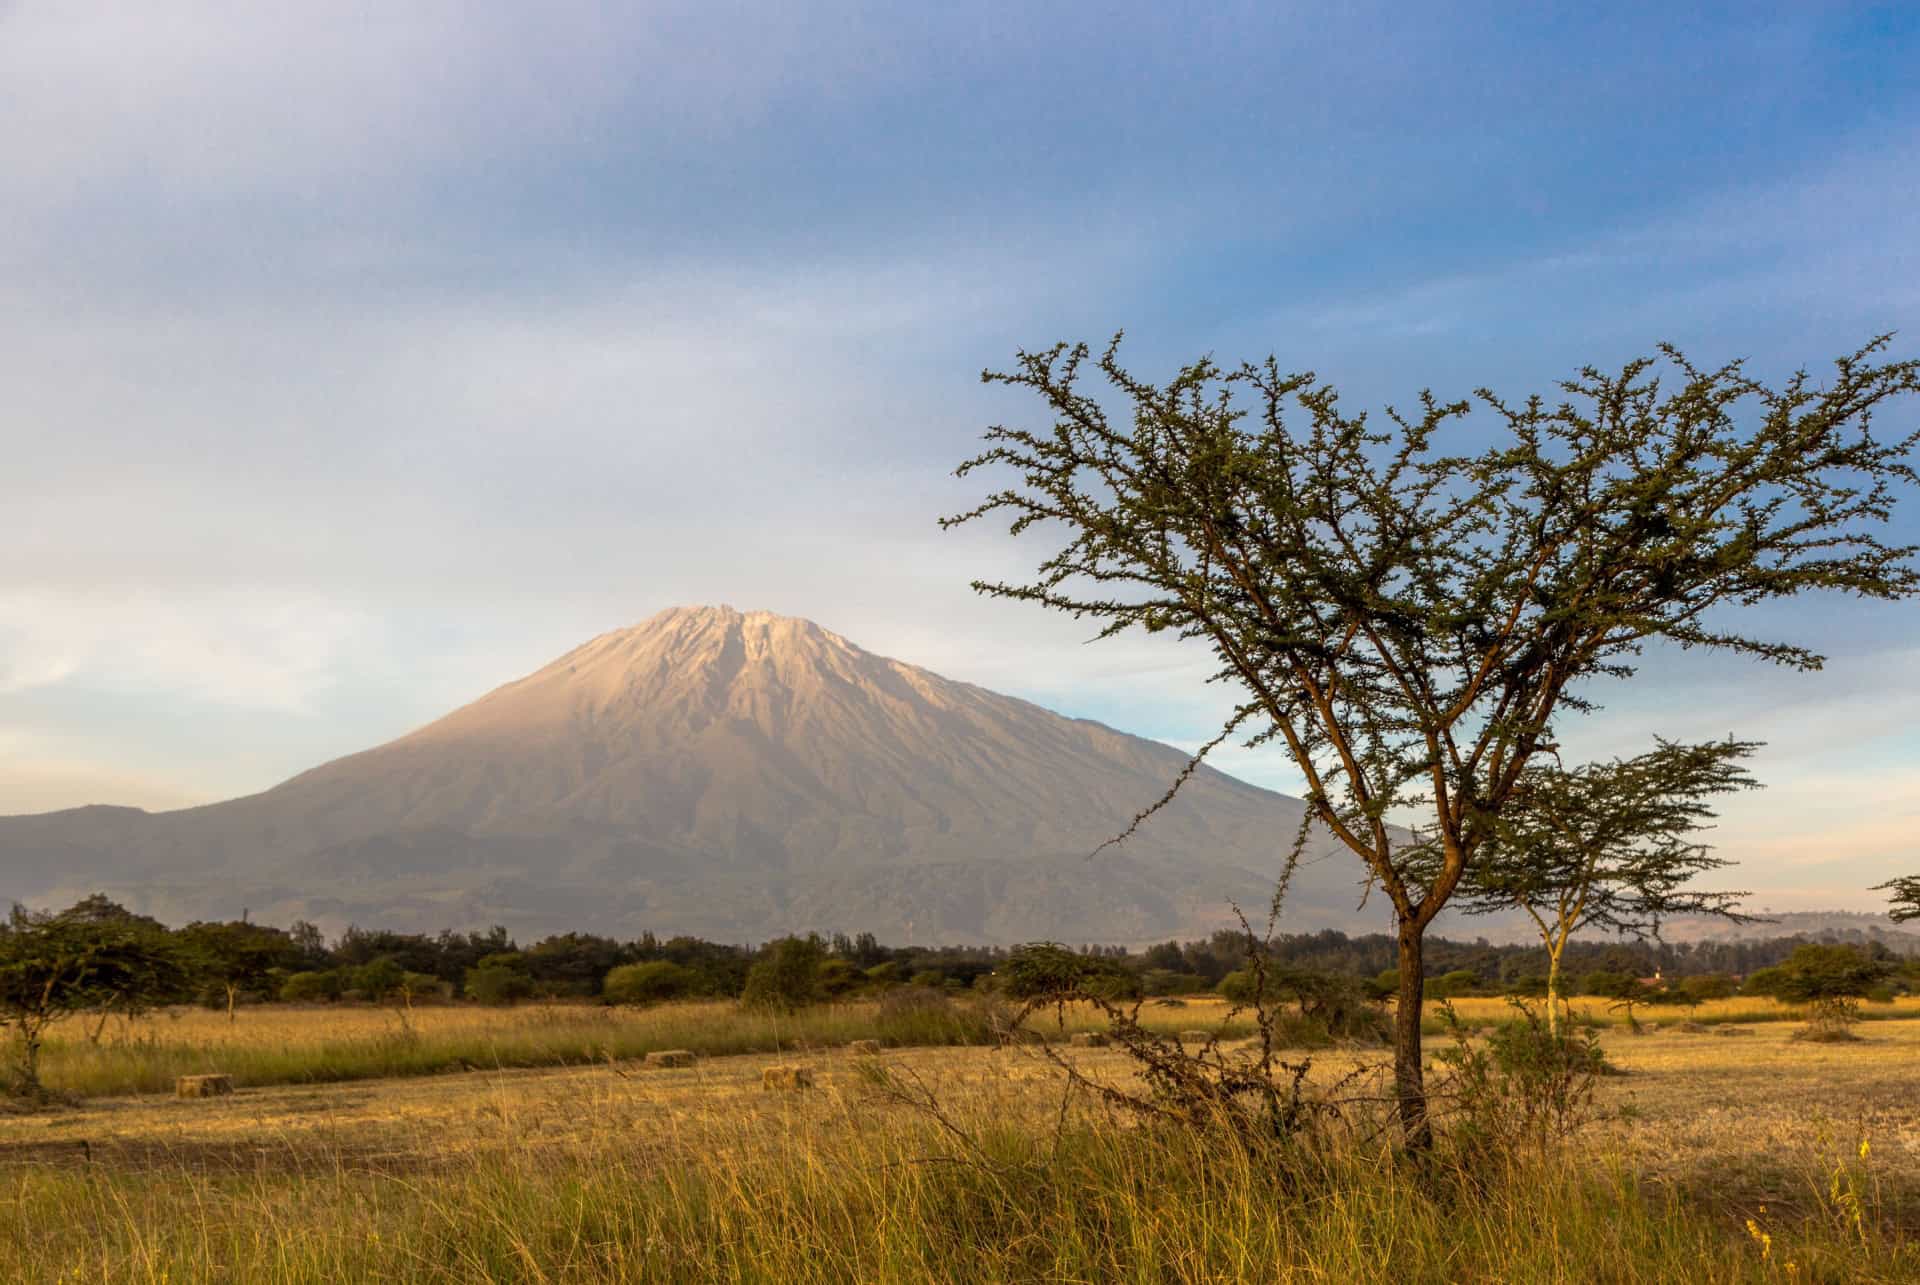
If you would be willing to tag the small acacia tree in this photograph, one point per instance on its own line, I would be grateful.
(1608, 846)
(1831, 981)
(55, 965)
(1410, 621)
(787, 975)
(1905, 897)
(237, 955)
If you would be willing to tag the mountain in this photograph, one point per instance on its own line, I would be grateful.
(731, 775)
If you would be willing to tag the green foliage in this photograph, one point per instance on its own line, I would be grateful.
(654, 982)
(1049, 971)
(1607, 984)
(1161, 981)
(312, 986)
(498, 979)
(1705, 987)
(379, 980)
(1461, 981)
(787, 976)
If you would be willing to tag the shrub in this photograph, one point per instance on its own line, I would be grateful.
(1607, 983)
(1525, 1089)
(1162, 981)
(837, 977)
(1461, 981)
(654, 982)
(378, 980)
(423, 986)
(497, 983)
(308, 987)
(1707, 986)
(787, 976)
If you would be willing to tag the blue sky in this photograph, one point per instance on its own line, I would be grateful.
(357, 358)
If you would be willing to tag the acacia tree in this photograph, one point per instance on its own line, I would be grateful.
(1606, 845)
(1410, 622)
(238, 955)
(54, 965)
(1905, 899)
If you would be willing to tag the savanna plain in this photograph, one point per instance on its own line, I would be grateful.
(535, 1144)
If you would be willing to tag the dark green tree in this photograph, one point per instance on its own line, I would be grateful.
(1830, 980)
(1410, 615)
(498, 979)
(653, 982)
(55, 965)
(237, 955)
(1905, 897)
(787, 975)
(1609, 846)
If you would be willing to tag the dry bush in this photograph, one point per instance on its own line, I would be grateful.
(1523, 1090)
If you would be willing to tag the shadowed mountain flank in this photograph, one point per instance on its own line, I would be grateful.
(735, 775)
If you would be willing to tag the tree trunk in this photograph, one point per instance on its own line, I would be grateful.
(29, 1066)
(232, 992)
(1553, 993)
(1409, 1077)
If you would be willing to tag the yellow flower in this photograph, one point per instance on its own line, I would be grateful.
(1863, 1148)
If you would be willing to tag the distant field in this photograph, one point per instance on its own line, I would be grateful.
(610, 1172)
(279, 1044)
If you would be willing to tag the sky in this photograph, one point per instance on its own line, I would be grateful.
(358, 358)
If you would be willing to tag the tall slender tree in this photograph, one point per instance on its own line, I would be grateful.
(1905, 897)
(1410, 621)
(1610, 846)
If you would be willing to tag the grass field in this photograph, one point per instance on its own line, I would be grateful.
(605, 1171)
(282, 1044)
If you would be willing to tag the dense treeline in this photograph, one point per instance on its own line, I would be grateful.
(227, 963)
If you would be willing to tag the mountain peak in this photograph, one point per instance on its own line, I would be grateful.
(740, 774)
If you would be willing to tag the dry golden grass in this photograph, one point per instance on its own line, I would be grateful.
(610, 1171)
(284, 1044)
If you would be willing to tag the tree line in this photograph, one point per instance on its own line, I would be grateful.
(97, 959)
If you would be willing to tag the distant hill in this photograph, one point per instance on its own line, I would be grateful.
(730, 775)
(1842, 926)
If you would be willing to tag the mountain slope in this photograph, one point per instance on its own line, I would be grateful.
(734, 775)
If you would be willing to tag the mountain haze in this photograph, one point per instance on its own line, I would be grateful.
(735, 775)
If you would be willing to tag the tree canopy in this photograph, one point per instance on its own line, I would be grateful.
(1905, 897)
